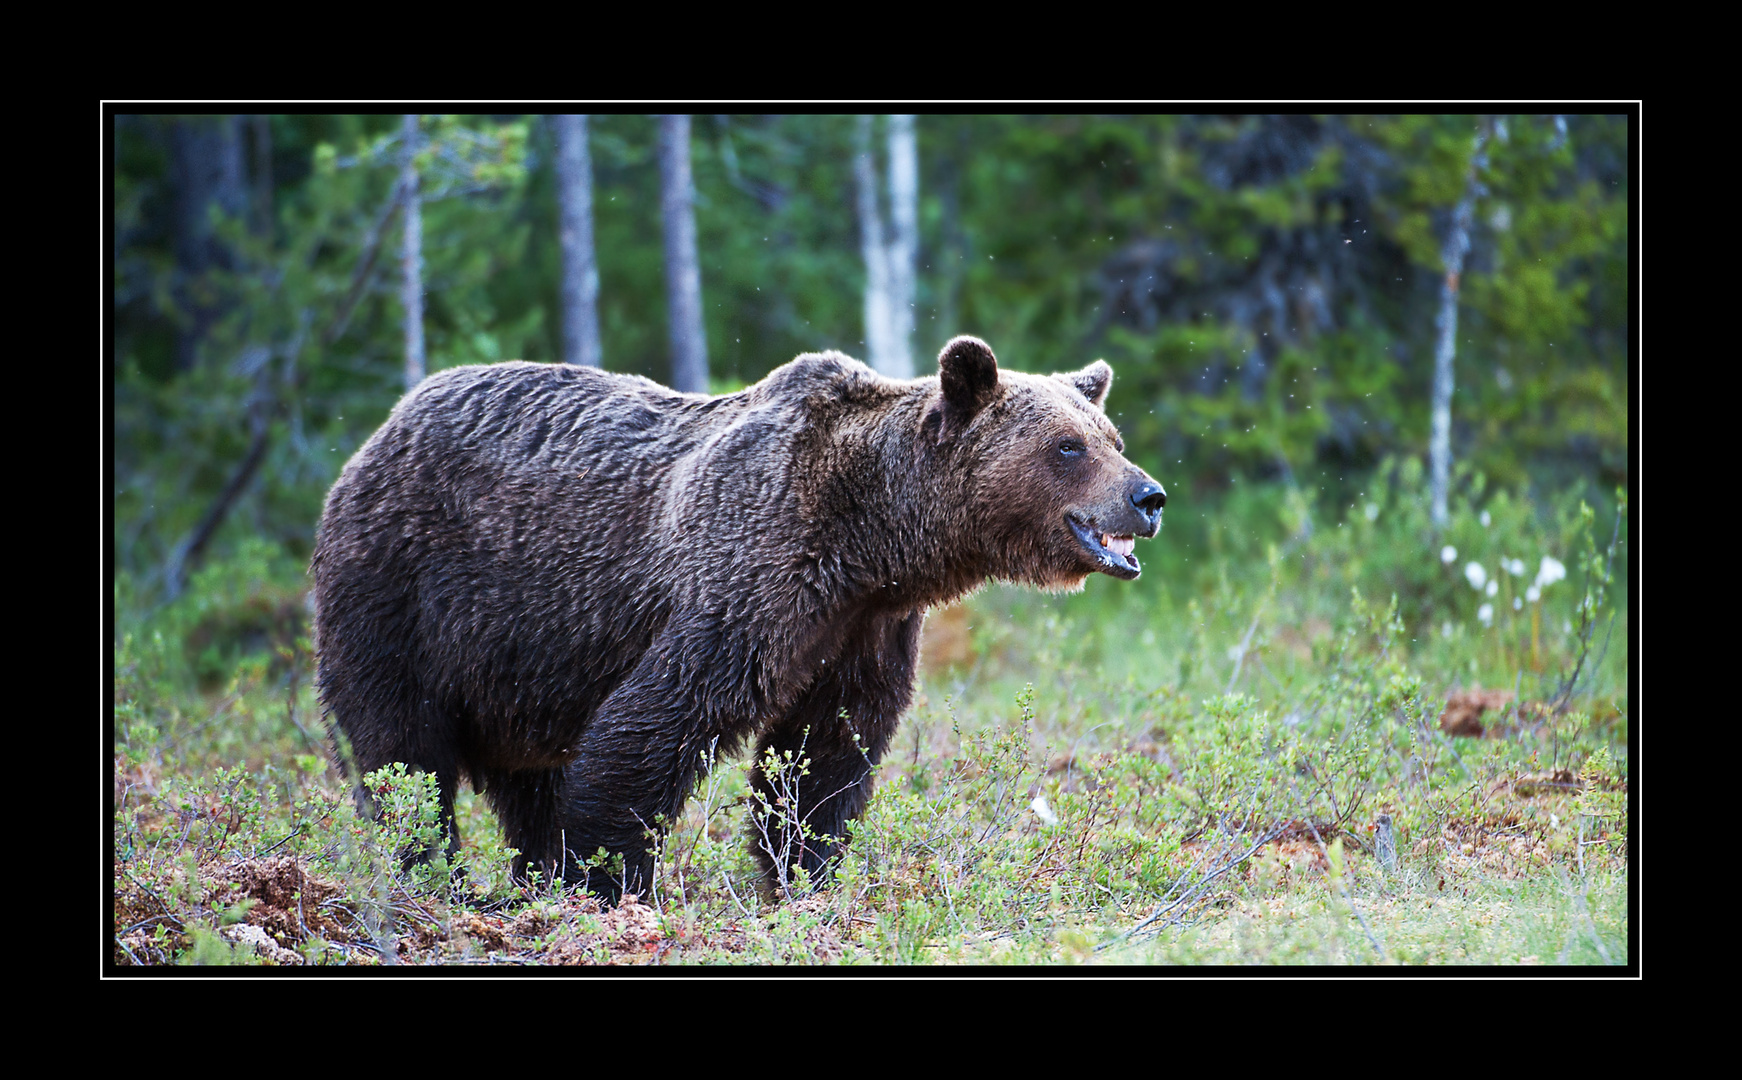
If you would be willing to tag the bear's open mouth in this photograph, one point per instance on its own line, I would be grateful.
(1114, 552)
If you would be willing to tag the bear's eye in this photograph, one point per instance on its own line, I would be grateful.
(1072, 447)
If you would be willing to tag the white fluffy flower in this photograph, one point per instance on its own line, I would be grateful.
(1372, 511)
(1486, 614)
(1515, 567)
(1448, 554)
(1551, 572)
(1478, 576)
(1487, 519)
(1043, 811)
(1493, 587)
(1533, 594)
(1517, 604)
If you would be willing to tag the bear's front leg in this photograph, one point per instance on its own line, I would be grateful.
(637, 763)
(842, 727)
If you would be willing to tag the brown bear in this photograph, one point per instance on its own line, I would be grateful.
(575, 588)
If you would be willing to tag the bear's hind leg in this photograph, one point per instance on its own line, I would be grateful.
(361, 749)
(527, 803)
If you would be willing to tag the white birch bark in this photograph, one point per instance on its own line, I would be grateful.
(903, 243)
(580, 280)
(1457, 245)
(879, 346)
(683, 276)
(411, 255)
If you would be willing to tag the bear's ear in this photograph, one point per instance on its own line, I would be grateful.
(1092, 382)
(969, 373)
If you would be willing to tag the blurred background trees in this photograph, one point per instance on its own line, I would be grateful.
(1268, 289)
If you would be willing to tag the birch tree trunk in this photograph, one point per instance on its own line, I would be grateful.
(411, 255)
(1457, 245)
(879, 344)
(580, 284)
(903, 242)
(683, 275)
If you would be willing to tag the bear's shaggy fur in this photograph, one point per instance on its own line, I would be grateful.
(574, 588)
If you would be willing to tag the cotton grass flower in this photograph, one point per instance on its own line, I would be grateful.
(1515, 567)
(1487, 519)
(1043, 811)
(1493, 587)
(1372, 511)
(1448, 554)
(1533, 594)
(1517, 604)
(1478, 577)
(1485, 614)
(1551, 572)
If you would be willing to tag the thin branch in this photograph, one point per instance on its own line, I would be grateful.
(365, 264)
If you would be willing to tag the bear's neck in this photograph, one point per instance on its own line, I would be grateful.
(896, 536)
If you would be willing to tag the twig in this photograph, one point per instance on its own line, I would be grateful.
(1337, 880)
(188, 552)
(1245, 643)
(365, 263)
(149, 892)
(1196, 890)
(131, 959)
(281, 843)
(143, 923)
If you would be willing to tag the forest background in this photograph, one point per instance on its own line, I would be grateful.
(1285, 301)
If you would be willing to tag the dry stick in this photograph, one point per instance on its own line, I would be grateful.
(281, 843)
(365, 264)
(143, 923)
(1317, 839)
(1245, 642)
(1196, 890)
(131, 959)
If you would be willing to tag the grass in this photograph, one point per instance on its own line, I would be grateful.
(1187, 770)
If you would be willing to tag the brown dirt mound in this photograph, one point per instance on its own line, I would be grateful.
(1464, 709)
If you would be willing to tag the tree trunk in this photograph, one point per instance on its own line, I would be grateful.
(879, 343)
(205, 169)
(903, 242)
(411, 255)
(1452, 254)
(683, 275)
(264, 218)
(580, 282)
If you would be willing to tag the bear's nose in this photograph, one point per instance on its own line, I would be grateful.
(1149, 498)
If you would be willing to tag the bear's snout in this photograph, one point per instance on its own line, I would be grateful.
(1148, 497)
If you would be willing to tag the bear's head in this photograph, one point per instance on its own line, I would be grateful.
(1051, 497)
